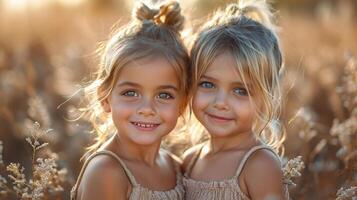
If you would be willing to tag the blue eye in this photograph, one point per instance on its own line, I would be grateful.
(164, 95)
(206, 84)
(130, 93)
(241, 91)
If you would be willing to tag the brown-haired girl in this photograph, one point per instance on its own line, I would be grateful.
(140, 92)
(236, 65)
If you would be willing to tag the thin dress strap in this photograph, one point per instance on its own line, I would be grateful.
(248, 154)
(102, 152)
(126, 169)
(193, 160)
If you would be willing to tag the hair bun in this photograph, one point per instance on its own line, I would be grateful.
(143, 12)
(233, 9)
(168, 14)
(257, 10)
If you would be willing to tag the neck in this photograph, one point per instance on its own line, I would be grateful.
(136, 152)
(234, 141)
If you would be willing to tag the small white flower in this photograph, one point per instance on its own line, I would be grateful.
(347, 193)
(292, 169)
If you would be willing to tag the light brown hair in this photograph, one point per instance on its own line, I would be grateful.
(246, 30)
(151, 32)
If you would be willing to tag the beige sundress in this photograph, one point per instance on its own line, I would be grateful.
(138, 192)
(227, 189)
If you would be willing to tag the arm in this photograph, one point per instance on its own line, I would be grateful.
(263, 176)
(104, 179)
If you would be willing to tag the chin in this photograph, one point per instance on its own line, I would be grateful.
(146, 141)
(219, 133)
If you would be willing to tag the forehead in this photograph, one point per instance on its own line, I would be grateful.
(224, 68)
(149, 71)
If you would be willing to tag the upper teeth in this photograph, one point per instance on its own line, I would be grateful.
(145, 125)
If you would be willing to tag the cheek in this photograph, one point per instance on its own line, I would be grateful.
(200, 101)
(170, 112)
(244, 109)
(123, 110)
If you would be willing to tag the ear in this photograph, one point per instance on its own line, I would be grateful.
(105, 105)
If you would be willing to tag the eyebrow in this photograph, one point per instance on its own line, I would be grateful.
(132, 84)
(128, 83)
(208, 77)
(167, 87)
(234, 83)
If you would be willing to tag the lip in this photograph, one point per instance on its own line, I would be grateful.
(145, 126)
(219, 119)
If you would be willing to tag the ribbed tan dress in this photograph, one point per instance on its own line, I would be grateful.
(138, 192)
(227, 189)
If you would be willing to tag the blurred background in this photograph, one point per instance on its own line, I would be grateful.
(48, 51)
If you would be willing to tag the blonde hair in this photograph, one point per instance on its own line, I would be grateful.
(246, 30)
(151, 32)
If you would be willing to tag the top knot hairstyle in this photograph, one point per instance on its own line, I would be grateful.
(152, 32)
(246, 30)
(168, 14)
(258, 11)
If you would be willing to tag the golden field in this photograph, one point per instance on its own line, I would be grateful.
(48, 52)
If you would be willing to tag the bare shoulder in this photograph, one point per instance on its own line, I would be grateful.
(103, 178)
(264, 159)
(263, 176)
(188, 155)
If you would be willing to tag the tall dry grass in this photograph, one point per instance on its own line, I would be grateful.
(47, 51)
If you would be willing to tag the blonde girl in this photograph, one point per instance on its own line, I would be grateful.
(236, 61)
(139, 93)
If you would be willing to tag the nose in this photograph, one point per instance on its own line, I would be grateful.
(146, 108)
(220, 101)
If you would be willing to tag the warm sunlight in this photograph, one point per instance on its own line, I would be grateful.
(21, 5)
(16, 4)
(70, 2)
(147, 83)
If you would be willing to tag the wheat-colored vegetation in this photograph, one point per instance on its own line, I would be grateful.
(47, 51)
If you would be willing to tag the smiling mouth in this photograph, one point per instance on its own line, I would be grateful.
(219, 118)
(145, 126)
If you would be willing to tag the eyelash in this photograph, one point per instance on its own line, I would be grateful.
(206, 84)
(126, 93)
(161, 95)
(167, 95)
(241, 91)
(209, 85)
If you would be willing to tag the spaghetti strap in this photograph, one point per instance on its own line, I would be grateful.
(248, 154)
(126, 170)
(102, 152)
(193, 160)
(228, 188)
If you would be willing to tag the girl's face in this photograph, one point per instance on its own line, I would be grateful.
(145, 100)
(221, 102)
